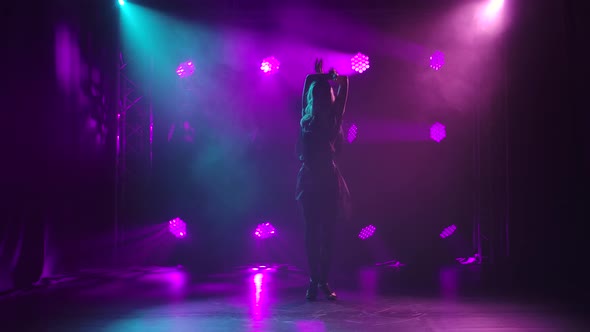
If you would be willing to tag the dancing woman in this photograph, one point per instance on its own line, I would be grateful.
(321, 189)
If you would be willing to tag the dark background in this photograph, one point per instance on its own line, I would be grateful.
(57, 196)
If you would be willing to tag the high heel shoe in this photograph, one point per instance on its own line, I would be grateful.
(328, 292)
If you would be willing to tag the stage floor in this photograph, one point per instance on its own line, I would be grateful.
(171, 299)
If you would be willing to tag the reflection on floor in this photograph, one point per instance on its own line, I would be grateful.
(268, 299)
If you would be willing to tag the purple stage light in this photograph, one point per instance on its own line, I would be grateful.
(438, 132)
(177, 227)
(185, 69)
(437, 60)
(360, 63)
(475, 259)
(448, 231)
(265, 231)
(270, 65)
(351, 135)
(367, 232)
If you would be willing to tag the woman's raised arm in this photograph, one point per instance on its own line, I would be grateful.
(342, 95)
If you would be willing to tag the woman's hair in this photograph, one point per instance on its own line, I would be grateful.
(319, 100)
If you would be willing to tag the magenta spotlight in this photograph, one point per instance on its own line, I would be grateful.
(367, 232)
(177, 227)
(185, 69)
(448, 231)
(270, 65)
(438, 132)
(351, 135)
(265, 231)
(360, 63)
(437, 60)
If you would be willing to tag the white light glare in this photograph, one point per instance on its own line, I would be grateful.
(493, 8)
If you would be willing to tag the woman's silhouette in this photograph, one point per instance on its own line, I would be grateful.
(321, 189)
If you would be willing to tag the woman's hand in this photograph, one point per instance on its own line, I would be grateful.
(333, 73)
(319, 64)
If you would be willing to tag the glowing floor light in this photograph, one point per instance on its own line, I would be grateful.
(352, 132)
(438, 132)
(270, 65)
(177, 227)
(185, 69)
(360, 63)
(437, 60)
(121, 2)
(367, 232)
(265, 231)
(448, 231)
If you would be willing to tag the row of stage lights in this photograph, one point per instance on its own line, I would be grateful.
(266, 230)
(359, 63)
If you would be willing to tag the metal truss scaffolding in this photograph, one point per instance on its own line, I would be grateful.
(133, 146)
